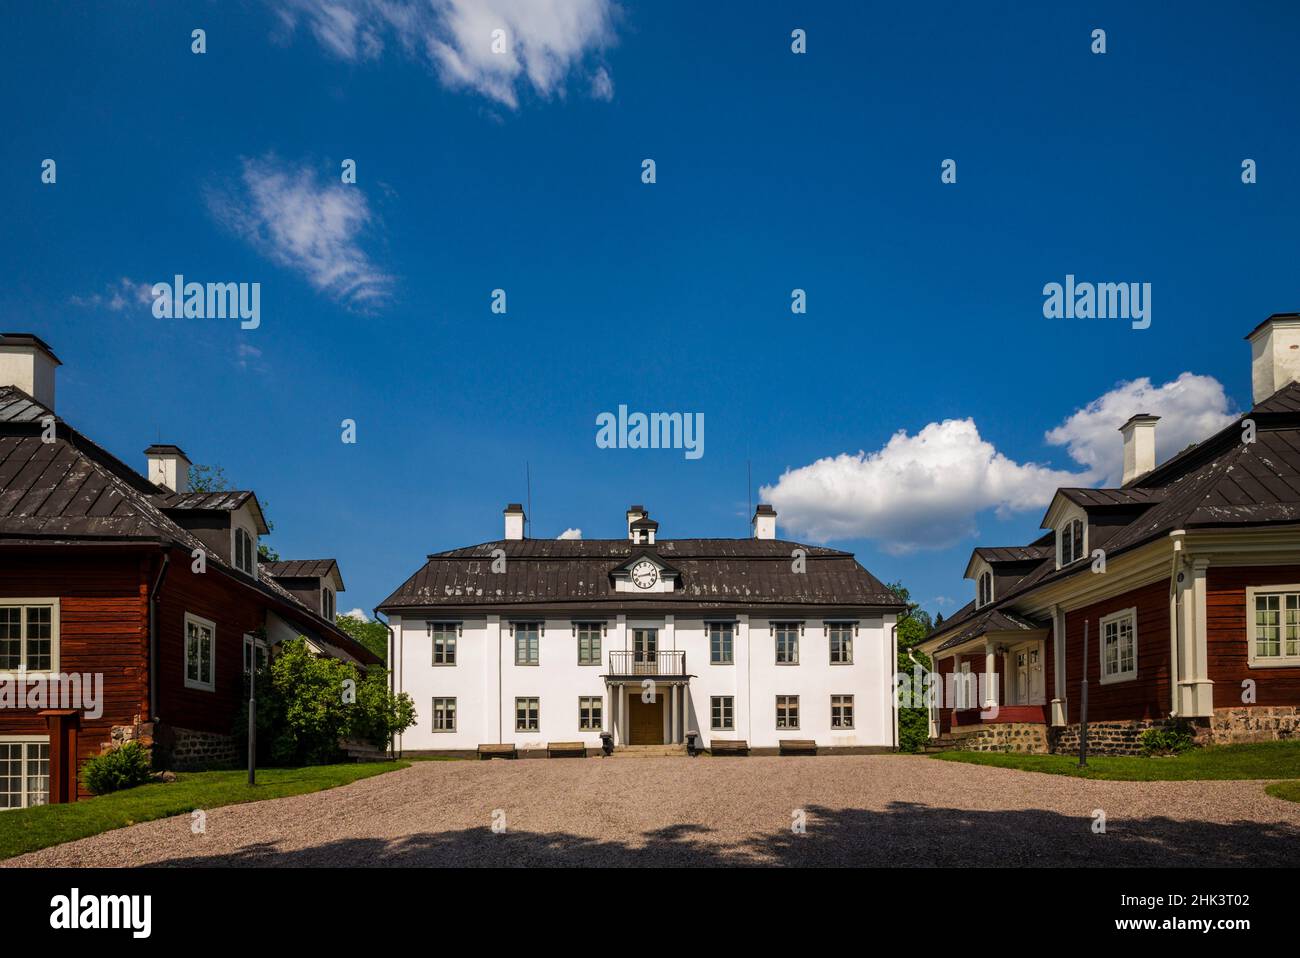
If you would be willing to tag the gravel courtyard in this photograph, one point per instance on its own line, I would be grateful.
(859, 810)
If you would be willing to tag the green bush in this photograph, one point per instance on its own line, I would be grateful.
(1166, 741)
(913, 729)
(124, 767)
(305, 705)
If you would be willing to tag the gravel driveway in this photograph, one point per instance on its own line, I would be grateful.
(858, 810)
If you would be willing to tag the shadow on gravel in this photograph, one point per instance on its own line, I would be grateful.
(906, 834)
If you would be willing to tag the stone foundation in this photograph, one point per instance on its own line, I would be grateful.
(1009, 737)
(196, 751)
(1255, 723)
(1106, 738)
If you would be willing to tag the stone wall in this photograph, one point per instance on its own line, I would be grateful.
(1105, 738)
(1256, 723)
(1008, 737)
(195, 751)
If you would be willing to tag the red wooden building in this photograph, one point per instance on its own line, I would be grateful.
(1186, 580)
(130, 606)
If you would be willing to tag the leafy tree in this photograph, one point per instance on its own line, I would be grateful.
(913, 626)
(373, 635)
(305, 707)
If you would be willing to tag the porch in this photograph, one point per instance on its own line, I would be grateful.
(649, 697)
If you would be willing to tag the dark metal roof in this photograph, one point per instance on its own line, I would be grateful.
(165, 449)
(996, 554)
(28, 339)
(1102, 498)
(17, 406)
(713, 573)
(226, 500)
(990, 620)
(303, 569)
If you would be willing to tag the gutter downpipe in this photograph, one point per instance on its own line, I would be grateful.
(893, 663)
(153, 633)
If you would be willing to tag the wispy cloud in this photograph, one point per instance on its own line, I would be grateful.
(924, 491)
(542, 42)
(117, 297)
(248, 356)
(291, 215)
(570, 534)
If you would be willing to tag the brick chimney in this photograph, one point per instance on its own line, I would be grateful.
(1139, 446)
(168, 467)
(28, 363)
(1274, 354)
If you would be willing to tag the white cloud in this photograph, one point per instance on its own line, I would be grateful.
(570, 534)
(918, 492)
(313, 227)
(925, 491)
(546, 40)
(1190, 408)
(357, 614)
(119, 296)
(249, 356)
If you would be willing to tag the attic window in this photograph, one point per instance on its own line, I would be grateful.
(1071, 541)
(243, 551)
(327, 603)
(985, 589)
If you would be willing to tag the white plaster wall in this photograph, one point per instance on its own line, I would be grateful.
(485, 704)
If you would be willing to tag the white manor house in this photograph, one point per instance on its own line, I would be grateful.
(540, 645)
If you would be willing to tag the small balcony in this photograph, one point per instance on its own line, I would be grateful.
(668, 664)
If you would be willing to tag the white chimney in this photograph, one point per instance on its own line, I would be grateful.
(169, 467)
(1139, 446)
(1274, 354)
(764, 522)
(633, 514)
(514, 514)
(29, 364)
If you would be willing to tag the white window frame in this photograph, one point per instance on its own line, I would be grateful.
(433, 713)
(1253, 659)
(252, 550)
(1068, 523)
(25, 795)
(981, 599)
(329, 603)
(211, 626)
(1129, 676)
(252, 641)
(24, 605)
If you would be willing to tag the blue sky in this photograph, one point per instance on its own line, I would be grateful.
(775, 171)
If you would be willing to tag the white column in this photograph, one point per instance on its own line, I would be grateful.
(622, 714)
(672, 728)
(1197, 691)
(990, 676)
(686, 711)
(1060, 694)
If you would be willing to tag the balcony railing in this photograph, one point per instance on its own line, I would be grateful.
(647, 663)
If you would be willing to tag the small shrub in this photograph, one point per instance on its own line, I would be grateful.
(1166, 741)
(124, 767)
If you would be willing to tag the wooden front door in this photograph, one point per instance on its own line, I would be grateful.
(645, 720)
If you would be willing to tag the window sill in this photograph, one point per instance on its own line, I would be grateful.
(1282, 664)
(199, 686)
(1114, 679)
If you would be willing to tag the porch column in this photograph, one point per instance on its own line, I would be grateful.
(1196, 691)
(990, 676)
(622, 715)
(686, 711)
(672, 720)
(1060, 694)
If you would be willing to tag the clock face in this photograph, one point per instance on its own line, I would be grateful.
(644, 574)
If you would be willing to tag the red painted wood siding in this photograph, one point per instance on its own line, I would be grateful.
(1146, 697)
(1227, 639)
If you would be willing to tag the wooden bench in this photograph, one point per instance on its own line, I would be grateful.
(560, 749)
(719, 746)
(498, 751)
(798, 746)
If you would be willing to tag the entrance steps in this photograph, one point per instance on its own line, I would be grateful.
(648, 751)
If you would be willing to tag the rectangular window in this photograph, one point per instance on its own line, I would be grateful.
(254, 651)
(722, 710)
(787, 642)
(527, 637)
(29, 635)
(721, 636)
(443, 635)
(444, 715)
(527, 715)
(787, 711)
(589, 642)
(327, 603)
(1119, 646)
(841, 637)
(590, 713)
(200, 650)
(24, 772)
(841, 711)
(1273, 618)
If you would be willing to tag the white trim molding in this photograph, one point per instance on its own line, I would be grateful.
(1123, 674)
(1282, 660)
(24, 605)
(202, 623)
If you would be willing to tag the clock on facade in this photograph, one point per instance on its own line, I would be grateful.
(644, 574)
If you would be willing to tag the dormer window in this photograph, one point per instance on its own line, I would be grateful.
(327, 603)
(244, 551)
(985, 589)
(1071, 537)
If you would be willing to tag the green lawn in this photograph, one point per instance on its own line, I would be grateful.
(27, 829)
(1288, 790)
(1260, 760)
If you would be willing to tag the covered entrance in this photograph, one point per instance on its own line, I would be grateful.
(645, 721)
